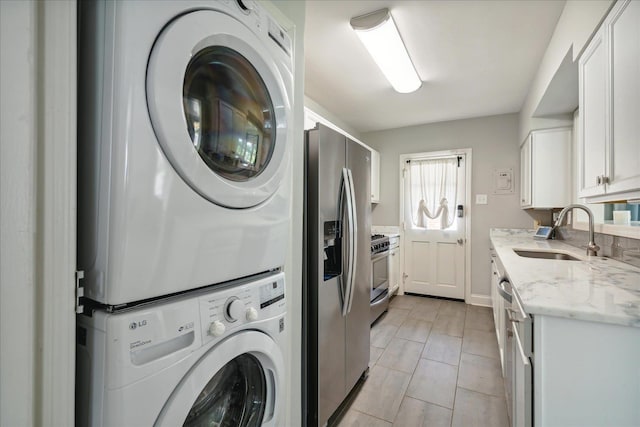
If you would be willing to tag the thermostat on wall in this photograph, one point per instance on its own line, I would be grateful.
(543, 233)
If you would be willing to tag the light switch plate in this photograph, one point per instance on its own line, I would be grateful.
(481, 199)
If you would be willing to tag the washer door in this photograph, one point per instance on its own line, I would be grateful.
(238, 383)
(219, 108)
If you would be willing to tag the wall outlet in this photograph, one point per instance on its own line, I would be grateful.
(481, 199)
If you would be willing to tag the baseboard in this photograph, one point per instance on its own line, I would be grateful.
(478, 299)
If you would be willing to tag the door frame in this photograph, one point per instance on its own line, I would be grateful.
(38, 255)
(467, 152)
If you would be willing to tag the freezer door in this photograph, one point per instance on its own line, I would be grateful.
(329, 301)
(357, 324)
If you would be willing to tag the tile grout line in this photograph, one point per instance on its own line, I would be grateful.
(372, 416)
(455, 391)
(404, 394)
(423, 349)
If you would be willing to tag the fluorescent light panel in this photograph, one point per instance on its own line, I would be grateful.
(379, 34)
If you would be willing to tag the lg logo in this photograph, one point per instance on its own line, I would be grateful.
(135, 325)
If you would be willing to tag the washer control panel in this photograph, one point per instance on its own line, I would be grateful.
(223, 311)
(137, 343)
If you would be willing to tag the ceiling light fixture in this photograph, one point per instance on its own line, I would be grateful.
(380, 36)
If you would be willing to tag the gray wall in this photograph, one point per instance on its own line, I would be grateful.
(493, 141)
(578, 22)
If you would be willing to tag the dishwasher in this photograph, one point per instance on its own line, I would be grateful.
(518, 356)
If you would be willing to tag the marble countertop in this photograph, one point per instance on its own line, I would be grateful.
(595, 289)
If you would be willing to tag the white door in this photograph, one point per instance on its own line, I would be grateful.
(434, 212)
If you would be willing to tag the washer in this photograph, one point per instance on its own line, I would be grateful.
(215, 358)
(184, 139)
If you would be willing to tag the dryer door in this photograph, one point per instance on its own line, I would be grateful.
(239, 382)
(219, 108)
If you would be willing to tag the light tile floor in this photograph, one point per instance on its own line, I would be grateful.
(433, 363)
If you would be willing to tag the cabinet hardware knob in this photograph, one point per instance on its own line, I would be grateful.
(599, 180)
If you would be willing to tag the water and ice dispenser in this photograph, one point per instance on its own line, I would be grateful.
(332, 249)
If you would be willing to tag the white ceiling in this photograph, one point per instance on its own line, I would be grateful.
(475, 58)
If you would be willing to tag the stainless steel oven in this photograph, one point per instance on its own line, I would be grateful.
(379, 275)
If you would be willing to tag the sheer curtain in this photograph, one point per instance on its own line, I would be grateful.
(433, 191)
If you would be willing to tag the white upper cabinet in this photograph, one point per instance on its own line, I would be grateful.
(545, 169)
(624, 56)
(593, 99)
(375, 176)
(609, 73)
(525, 173)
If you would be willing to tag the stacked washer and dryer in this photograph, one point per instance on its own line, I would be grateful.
(184, 138)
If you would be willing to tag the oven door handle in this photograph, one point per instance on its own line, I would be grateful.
(353, 239)
(503, 292)
(516, 336)
(379, 256)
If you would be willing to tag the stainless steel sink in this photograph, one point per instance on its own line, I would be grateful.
(545, 255)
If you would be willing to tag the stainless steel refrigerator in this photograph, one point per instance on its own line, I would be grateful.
(337, 282)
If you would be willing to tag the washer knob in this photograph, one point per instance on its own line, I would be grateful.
(234, 309)
(216, 328)
(252, 314)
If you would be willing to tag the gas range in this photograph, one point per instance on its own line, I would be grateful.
(379, 243)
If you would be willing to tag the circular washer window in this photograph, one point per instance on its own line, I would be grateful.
(219, 107)
(235, 397)
(229, 113)
(238, 382)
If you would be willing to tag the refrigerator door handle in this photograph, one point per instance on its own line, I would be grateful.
(342, 283)
(353, 239)
(346, 288)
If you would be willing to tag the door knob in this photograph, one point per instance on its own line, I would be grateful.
(460, 241)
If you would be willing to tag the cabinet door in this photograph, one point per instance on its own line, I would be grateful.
(498, 310)
(525, 173)
(375, 176)
(550, 168)
(624, 43)
(593, 111)
(394, 270)
(494, 297)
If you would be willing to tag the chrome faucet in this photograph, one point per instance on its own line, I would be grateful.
(592, 248)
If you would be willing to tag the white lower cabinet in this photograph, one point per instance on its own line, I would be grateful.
(585, 373)
(498, 312)
(565, 372)
(394, 265)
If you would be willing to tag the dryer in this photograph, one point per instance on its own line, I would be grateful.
(204, 358)
(184, 142)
